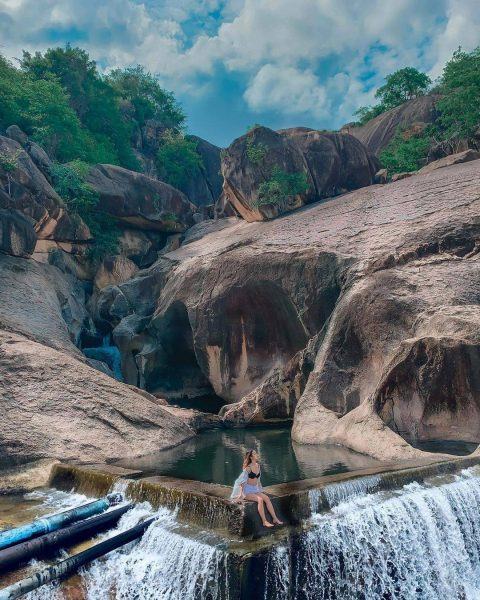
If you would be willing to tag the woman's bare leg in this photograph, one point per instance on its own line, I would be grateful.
(261, 510)
(270, 508)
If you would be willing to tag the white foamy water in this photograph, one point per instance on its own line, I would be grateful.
(422, 543)
(336, 493)
(162, 565)
(56, 500)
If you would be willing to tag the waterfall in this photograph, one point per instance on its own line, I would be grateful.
(422, 542)
(108, 354)
(336, 493)
(163, 564)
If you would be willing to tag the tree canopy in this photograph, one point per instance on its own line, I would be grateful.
(405, 84)
(402, 85)
(146, 97)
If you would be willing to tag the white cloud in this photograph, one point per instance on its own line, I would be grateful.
(287, 90)
(304, 56)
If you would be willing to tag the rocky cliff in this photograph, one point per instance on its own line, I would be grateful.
(378, 132)
(361, 312)
(354, 316)
(332, 163)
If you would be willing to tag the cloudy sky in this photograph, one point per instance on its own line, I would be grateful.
(233, 63)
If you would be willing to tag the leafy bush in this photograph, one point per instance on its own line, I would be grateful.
(91, 96)
(406, 151)
(178, 159)
(367, 113)
(8, 163)
(82, 200)
(281, 187)
(256, 152)
(41, 108)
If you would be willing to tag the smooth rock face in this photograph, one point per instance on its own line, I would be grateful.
(56, 406)
(17, 235)
(30, 193)
(453, 159)
(114, 270)
(377, 133)
(139, 200)
(333, 163)
(380, 281)
(53, 403)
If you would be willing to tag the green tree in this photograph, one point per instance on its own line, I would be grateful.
(459, 107)
(281, 187)
(91, 96)
(41, 108)
(178, 159)
(9, 163)
(147, 98)
(405, 84)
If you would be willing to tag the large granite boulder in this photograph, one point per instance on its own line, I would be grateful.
(54, 405)
(26, 189)
(17, 235)
(332, 163)
(376, 134)
(205, 187)
(140, 201)
(452, 159)
(361, 312)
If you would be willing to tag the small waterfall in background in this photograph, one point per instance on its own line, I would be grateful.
(108, 354)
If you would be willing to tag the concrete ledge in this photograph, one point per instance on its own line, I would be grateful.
(91, 479)
(207, 505)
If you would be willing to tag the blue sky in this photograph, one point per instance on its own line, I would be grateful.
(232, 63)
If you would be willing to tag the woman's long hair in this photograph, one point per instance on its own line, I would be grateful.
(248, 458)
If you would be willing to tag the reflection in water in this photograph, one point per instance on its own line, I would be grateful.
(456, 447)
(216, 457)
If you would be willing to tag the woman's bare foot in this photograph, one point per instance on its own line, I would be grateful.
(278, 522)
(267, 524)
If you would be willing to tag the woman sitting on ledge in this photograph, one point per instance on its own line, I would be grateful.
(248, 487)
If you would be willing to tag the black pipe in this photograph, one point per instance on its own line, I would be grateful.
(38, 547)
(70, 565)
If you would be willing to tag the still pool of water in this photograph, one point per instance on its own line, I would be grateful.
(216, 457)
(455, 447)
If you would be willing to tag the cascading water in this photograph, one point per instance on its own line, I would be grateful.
(170, 562)
(419, 543)
(109, 354)
(335, 493)
(164, 564)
